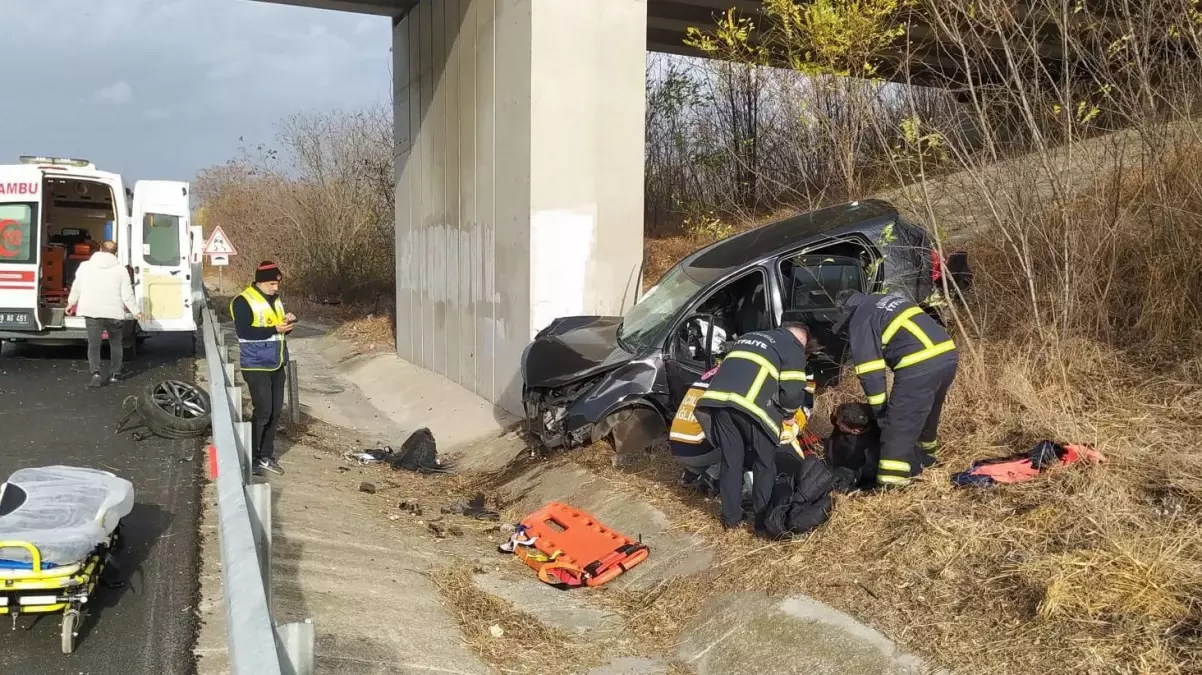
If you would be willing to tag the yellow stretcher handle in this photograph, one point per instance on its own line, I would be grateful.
(34, 553)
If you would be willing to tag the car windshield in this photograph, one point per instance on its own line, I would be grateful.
(658, 306)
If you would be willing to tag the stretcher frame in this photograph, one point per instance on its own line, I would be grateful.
(64, 589)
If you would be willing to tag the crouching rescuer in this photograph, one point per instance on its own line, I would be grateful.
(890, 332)
(760, 384)
(262, 324)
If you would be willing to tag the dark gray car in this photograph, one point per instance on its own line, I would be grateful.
(586, 377)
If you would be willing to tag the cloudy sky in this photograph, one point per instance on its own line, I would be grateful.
(163, 88)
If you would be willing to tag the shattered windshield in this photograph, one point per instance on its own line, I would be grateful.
(659, 305)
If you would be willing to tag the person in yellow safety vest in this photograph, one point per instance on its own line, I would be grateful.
(888, 331)
(262, 324)
(760, 383)
(701, 459)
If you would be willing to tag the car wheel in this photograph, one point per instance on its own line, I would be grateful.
(635, 430)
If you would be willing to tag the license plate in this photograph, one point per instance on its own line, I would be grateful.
(16, 319)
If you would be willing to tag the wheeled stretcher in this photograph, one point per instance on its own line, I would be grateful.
(59, 527)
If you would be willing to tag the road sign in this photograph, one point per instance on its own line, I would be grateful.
(219, 259)
(219, 244)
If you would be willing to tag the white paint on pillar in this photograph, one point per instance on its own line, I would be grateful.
(561, 246)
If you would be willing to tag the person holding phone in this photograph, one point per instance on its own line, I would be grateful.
(262, 326)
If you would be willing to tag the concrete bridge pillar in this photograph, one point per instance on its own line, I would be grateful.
(519, 158)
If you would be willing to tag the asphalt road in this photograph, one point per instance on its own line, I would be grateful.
(48, 416)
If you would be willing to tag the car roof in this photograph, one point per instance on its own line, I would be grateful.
(868, 216)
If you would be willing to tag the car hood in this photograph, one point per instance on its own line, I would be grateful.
(573, 348)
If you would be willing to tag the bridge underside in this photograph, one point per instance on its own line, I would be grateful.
(519, 131)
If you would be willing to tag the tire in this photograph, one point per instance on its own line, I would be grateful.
(70, 626)
(175, 409)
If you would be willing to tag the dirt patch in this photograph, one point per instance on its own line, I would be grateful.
(508, 638)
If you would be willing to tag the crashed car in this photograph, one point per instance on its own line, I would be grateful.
(588, 377)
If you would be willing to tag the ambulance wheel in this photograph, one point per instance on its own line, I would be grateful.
(70, 629)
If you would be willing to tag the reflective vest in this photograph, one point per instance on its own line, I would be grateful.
(764, 376)
(890, 331)
(271, 353)
(686, 436)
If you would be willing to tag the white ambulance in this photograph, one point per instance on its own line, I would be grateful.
(55, 211)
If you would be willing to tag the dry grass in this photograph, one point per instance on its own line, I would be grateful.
(526, 644)
(371, 333)
(1092, 569)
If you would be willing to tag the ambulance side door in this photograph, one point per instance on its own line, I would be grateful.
(20, 249)
(161, 255)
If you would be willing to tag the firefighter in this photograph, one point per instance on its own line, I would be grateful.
(701, 459)
(760, 383)
(889, 331)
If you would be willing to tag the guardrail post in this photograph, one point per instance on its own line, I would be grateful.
(259, 496)
(295, 642)
(243, 430)
(294, 413)
(235, 394)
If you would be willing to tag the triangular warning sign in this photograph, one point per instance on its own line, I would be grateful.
(219, 244)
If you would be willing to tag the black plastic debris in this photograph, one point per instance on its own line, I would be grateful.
(420, 453)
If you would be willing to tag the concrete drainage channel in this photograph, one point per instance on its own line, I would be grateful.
(244, 533)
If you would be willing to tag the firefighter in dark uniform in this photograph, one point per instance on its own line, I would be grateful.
(760, 384)
(889, 331)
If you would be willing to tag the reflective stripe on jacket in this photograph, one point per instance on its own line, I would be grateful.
(686, 437)
(890, 331)
(764, 376)
(269, 354)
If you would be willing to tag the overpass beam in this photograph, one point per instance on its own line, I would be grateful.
(519, 157)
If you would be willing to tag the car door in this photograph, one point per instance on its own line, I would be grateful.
(161, 255)
(811, 284)
(726, 311)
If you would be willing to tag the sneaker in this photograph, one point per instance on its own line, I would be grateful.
(96, 382)
(115, 378)
(270, 465)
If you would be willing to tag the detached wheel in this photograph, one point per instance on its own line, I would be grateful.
(70, 630)
(175, 409)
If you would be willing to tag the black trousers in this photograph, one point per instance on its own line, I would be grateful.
(912, 416)
(745, 444)
(267, 402)
(116, 330)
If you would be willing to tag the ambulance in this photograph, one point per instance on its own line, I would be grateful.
(55, 212)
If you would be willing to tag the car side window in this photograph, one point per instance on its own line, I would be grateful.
(814, 282)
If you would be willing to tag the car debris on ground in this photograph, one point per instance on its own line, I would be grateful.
(419, 453)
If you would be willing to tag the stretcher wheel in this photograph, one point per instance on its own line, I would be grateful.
(70, 627)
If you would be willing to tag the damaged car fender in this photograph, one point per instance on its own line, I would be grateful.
(638, 383)
(574, 415)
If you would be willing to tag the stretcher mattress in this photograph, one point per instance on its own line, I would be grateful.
(64, 511)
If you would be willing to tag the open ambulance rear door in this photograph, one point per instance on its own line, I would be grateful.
(161, 255)
(20, 248)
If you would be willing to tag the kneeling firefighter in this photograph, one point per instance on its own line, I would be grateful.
(760, 383)
(889, 331)
(701, 459)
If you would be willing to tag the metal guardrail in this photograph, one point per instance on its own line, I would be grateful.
(244, 532)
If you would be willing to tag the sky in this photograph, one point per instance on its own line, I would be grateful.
(159, 89)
